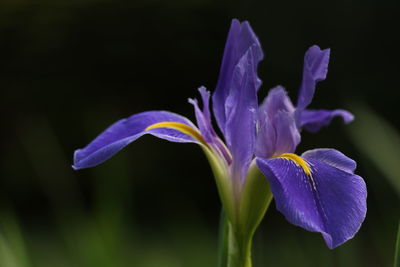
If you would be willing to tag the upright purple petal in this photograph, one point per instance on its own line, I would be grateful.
(240, 39)
(125, 131)
(276, 100)
(315, 69)
(332, 200)
(241, 114)
(277, 135)
(314, 120)
(277, 131)
(203, 117)
(288, 136)
(266, 138)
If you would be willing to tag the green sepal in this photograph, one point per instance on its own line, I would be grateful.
(255, 198)
(223, 181)
(254, 202)
(244, 210)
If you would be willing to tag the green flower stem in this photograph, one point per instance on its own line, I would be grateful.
(223, 240)
(243, 209)
(239, 249)
(233, 252)
(236, 238)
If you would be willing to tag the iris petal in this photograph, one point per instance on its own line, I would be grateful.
(241, 114)
(277, 131)
(240, 39)
(203, 117)
(331, 157)
(266, 138)
(332, 200)
(314, 70)
(288, 136)
(276, 100)
(314, 120)
(125, 131)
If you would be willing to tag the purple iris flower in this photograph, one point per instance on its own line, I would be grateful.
(317, 190)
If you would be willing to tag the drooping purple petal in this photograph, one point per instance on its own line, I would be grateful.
(241, 114)
(125, 131)
(314, 70)
(240, 39)
(331, 201)
(203, 117)
(314, 120)
(277, 131)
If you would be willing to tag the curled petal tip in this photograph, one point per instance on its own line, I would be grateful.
(203, 90)
(75, 168)
(315, 70)
(347, 116)
(192, 101)
(314, 120)
(317, 61)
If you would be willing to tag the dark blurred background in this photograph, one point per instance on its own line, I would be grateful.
(68, 69)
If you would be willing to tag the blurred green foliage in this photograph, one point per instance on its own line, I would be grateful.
(379, 141)
(396, 262)
(70, 68)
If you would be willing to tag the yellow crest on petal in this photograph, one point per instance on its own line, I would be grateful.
(298, 160)
(181, 127)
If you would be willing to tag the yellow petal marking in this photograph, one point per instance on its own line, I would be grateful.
(298, 160)
(181, 127)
